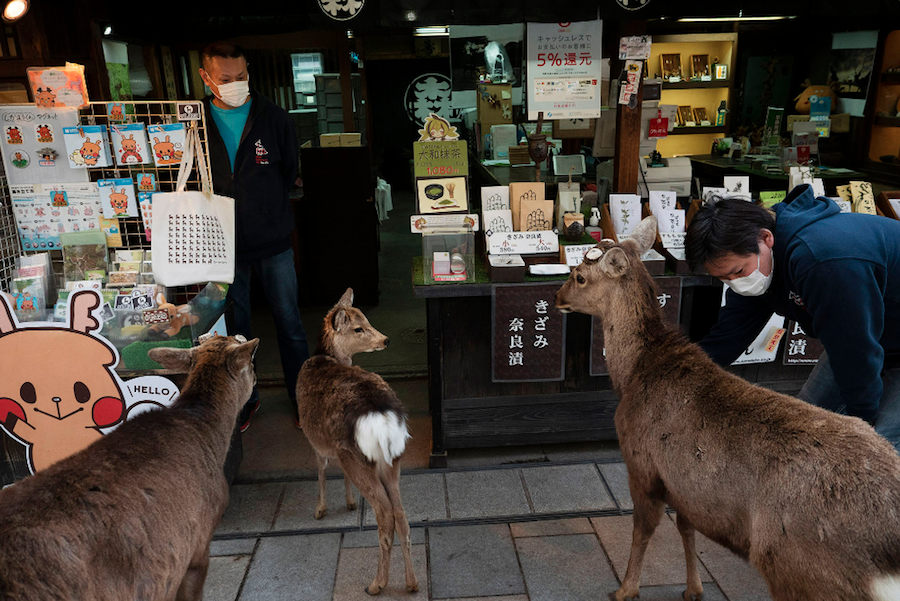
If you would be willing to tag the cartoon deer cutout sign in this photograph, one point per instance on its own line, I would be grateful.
(58, 390)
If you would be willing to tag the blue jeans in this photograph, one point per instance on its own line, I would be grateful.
(279, 281)
(821, 390)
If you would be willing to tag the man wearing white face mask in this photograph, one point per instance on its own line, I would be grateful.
(836, 274)
(253, 156)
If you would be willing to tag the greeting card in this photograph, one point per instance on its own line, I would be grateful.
(117, 197)
(167, 141)
(625, 211)
(670, 221)
(661, 201)
(87, 146)
(130, 144)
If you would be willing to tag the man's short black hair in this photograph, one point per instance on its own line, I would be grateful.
(221, 49)
(725, 225)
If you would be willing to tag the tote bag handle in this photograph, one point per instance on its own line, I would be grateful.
(193, 148)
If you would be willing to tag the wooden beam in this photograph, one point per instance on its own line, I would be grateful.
(343, 48)
(628, 129)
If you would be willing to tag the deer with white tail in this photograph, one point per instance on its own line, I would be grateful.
(352, 415)
(809, 497)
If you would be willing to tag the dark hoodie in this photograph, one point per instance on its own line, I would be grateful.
(837, 275)
(265, 169)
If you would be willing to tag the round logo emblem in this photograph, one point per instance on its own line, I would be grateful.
(428, 93)
(341, 10)
(633, 4)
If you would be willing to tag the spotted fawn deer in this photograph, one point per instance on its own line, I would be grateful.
(352, 415)
(809, 497)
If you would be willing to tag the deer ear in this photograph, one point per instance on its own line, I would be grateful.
(346, 299)
(241, 355)
(644, 234)
(80, 308)
(172, 358)
(614, 262)
(340, 319)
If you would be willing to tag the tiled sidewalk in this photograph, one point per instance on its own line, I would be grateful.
(559, 532)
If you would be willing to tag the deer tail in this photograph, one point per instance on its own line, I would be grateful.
(886, 588)
(381, 436)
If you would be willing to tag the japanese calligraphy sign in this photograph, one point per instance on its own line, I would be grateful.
(523, 243)
(441, 159)
(668, 293)
(801, 348)
(564, 69)
(528, 337)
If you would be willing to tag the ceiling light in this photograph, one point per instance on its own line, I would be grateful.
(741, 18)
(15, 10)
(434, 30)
(108, 30)
(411, 15)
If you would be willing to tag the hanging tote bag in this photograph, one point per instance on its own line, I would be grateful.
(193, 230)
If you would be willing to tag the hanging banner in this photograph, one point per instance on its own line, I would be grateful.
(564, 69)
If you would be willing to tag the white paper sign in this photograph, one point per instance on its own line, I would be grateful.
(575, 253)
(419, 223)
(738, 185)
(709, 192)
(670, 221)
(818, 187)
(498, 222)
(895, 203)
(757, 352)
(673, 241)
(846, 207)
(523, 243)
(494, 198)
(564, 69)
(661, 200)
(625, 210)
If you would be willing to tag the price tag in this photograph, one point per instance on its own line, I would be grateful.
(672, 240)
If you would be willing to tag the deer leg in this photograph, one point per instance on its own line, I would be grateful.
(647, 513)
(348, 493)
(694, 591)
(392, 485)
(321, 506)
(191, 588)
(365, 476)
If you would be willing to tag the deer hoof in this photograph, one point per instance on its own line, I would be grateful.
(692, 597)
(352, 505)
(320, 513)
(621, 596)
(413, 588)
(373, 590)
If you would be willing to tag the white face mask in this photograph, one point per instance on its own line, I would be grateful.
(754, 284)
(234, 94)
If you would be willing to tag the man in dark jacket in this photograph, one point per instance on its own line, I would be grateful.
(836, 274)
(253, 156)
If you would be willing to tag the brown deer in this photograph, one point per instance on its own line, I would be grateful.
(131, 516)
(809, 497)
(352, 415)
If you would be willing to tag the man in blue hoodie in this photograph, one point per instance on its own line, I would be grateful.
(254, 158)
(836, 274)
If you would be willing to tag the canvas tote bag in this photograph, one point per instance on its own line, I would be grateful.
(193, 230)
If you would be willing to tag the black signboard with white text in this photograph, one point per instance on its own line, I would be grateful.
(528, 337)
(801, 348)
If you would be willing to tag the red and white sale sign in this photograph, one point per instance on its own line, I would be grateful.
(659, 128)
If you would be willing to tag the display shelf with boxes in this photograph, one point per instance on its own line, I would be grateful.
(697, 72)
(884, 139)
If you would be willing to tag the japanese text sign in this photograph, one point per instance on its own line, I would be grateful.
(441, 159)
(801, 348)
(564, 69)
(668, 294)
(528, 337)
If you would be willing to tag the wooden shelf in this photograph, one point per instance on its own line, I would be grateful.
(888, 121)
(698, 129)
(690, 85)
(890, 77)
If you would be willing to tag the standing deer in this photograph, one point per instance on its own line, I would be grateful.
(132, 515)
(809, 497)
(353, 415)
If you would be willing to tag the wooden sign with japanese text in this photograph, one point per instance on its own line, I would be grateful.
(668, 293)
(801, 348)
(528, 337)
(441, 159)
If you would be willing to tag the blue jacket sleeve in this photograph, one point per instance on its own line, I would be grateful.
(740, 322)
(845, 299)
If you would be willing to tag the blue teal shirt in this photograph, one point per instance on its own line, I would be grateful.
(231, 125)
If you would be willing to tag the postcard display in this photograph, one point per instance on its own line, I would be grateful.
(81, 184)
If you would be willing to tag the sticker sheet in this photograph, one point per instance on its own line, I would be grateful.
(117, 197)
(130, 144)
(44, 211)
(145, 201)
(167, 142)
(87, 146)
(31, 142)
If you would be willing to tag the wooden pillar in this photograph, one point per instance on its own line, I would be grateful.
(343, 49)
(628, 128)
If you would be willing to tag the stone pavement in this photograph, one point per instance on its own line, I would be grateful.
(539, 532)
